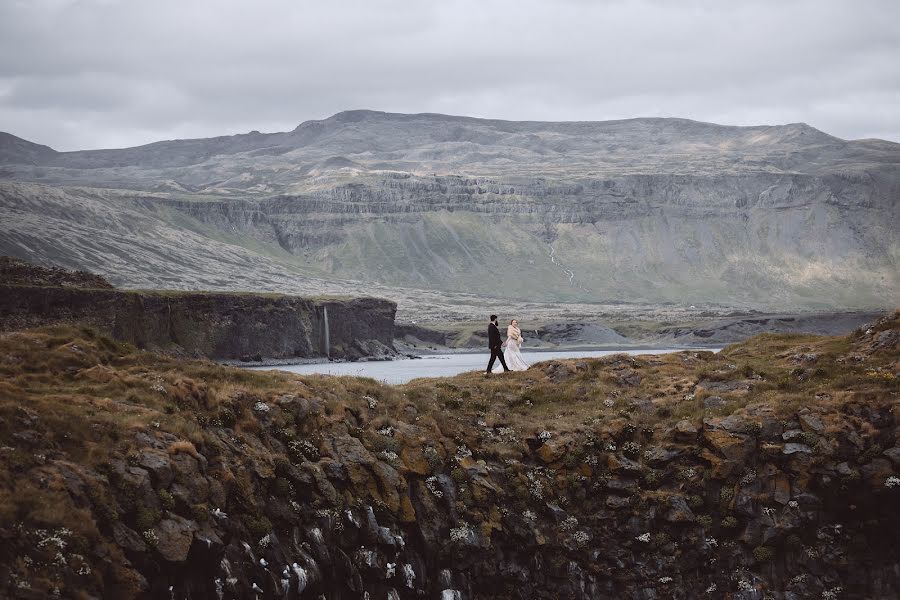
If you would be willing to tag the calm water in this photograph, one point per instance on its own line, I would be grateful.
(401, 371)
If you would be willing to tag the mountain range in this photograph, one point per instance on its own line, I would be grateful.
(451, 211)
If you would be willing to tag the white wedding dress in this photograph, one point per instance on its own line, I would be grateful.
(513, 356)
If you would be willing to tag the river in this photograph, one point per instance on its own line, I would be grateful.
(443, 365)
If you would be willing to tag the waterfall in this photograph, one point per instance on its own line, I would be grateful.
(327, 335)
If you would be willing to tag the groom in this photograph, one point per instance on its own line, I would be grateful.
(494, 343)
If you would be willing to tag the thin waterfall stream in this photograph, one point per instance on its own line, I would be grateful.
(327, 334)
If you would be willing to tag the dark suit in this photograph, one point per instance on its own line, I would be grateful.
(494, 343)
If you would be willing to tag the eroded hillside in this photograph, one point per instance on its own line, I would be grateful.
(775, 218)
(770, 468)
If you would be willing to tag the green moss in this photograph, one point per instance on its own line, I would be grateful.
(459, 475)
(705, 521)
(257, 526)
(726, 495)
(166, 500)
(695, 501)
(763, 554)
(145, 518)
(729, 522)
(200, 513)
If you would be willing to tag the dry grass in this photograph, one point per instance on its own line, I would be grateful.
(91, 392)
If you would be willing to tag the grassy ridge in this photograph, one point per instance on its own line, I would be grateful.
(688, 446)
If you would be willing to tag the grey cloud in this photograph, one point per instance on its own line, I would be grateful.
(91, 73)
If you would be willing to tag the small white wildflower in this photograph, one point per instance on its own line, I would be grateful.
(644, 537)
(372, 402)
(793, 504)
(431, 484)
(154, 424)
(390, 570)
(544, 436)
(462, 452)
(535, 486)
(264, 541)
(150, 537)
(529, 516)
(388, 455)
(507, 433)
(745, 586)
(769, 512)
(665, 580)
(568, 524)
(218, 513)
(261, 407)
(832, 594)
(609, 403)
(387, 431)
(461, 533)
(611, 447)
(711, 588)
(892, 481)
(749, 476)
(295, 505)
(712, 541)
(581, 538)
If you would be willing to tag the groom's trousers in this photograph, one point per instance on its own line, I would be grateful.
(497, 352)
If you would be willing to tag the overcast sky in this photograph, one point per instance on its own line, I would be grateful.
(78, 74)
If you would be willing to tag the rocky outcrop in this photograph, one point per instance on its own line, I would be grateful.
(233, 326)
(237, 326)
(465, 488)
(19, 272)
(726, 331)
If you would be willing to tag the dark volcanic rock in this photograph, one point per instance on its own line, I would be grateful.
(215, 325)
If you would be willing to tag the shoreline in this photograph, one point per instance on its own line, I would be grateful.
(401, 356)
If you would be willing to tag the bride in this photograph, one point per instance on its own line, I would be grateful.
(511, 353)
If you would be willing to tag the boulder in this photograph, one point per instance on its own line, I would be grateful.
(551, 451)
(678, 510)
(175, 535)
(894, 455)
(127, 538)
(733, 447)
(685, 431)
(792, 448)
(811, 422)
(713, 402)
(158, 465)
(657, 455)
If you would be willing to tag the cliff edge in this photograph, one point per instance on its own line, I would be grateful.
(217, 325)
(770, 469)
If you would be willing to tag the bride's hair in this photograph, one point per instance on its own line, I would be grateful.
(512, 321)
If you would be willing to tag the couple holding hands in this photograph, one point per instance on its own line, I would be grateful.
(509, 352)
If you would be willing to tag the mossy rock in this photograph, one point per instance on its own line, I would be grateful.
(763, 554)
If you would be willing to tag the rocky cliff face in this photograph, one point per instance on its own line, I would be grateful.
(648, 210)
(215, 325)
(768, 470)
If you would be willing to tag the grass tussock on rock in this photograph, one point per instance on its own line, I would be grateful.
(767, 470)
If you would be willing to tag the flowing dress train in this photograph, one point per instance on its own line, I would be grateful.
(513, 355)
